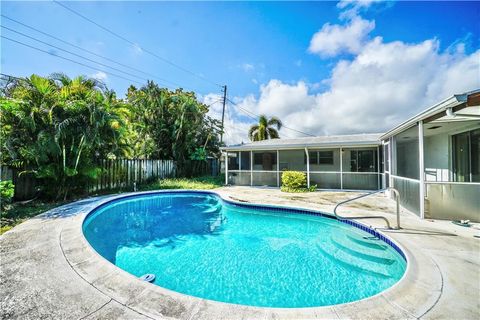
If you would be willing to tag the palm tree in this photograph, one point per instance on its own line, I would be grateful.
(265, 129)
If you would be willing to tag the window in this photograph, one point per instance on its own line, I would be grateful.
(245, 157)
(258, 158)
(267, 160)
(313, 157)
(466, 156)
(362, 161)
(233, 161)
(406, 154)
(325, 157)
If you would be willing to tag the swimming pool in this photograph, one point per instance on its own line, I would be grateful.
(201, 245)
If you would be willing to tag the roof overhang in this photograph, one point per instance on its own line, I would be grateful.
(303, 146)
(456, 102)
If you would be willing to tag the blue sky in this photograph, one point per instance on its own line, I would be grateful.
(261, 50)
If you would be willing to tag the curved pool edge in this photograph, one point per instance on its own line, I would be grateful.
(156, 301)
(261, 207)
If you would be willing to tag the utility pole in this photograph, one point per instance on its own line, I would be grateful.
(223, 111)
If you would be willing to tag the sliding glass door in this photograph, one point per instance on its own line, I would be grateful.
(466, 156)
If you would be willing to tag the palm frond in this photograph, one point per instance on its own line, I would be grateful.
(272, 133)
(274, 121)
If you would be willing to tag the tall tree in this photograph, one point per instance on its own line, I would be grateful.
(55, 127)
(265, 129)
(171, 124)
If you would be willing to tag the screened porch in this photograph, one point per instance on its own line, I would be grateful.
(435, 164)
(347, 168)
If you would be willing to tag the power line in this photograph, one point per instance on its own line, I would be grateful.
(135, 44)
(93, 53)
(74, 54)
(214, 102)
(248, 114)
(258, 116)
(10, 76)
(68, 59)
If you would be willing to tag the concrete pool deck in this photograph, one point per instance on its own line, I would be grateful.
(49, 271)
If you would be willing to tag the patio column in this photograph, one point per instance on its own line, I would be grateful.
(392, 167)
(226, 168)
(278, 169)
(421, 167)
(308, 167)
(379, 182)
(251, 168)
(341, 168)
(240, 162)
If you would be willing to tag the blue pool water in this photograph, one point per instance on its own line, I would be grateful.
(200, 245)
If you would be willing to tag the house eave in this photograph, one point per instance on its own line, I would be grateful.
(436, 109)
(303, 146)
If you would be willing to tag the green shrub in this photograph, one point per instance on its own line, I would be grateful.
(295, 181)
(201, 183)
(7, 190)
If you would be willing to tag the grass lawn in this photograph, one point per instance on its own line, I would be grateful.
(202, 183)
(16, 213)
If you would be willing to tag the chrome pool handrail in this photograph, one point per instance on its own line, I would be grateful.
(397, 198)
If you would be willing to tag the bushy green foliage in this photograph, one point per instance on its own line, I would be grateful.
(199, 154)
(171, 124)
(57, 128)
(202, 183)
(295, 181)
(7, 189)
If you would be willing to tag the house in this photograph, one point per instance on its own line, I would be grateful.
(432, 159)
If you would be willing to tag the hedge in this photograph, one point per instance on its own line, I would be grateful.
(295, 181)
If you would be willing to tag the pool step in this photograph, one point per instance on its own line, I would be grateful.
(354, 262)
(359, 251)
(373, 243)
(213, 209)
(216, 223)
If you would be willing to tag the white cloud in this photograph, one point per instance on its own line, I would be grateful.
(100, 75)
(351, 8)
(214, 101)
(236, 128)
(247, 67)
(383, 85)
(286, 98)
(331, 40)
(236, 132)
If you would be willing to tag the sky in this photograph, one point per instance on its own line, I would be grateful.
(323, 68)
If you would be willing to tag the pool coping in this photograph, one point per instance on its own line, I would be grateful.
(159, 302)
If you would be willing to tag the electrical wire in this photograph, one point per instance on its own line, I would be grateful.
(68, 59)
(256, 117)
(135, 44)
(252, 115)
(77, 55)
(93, 53)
